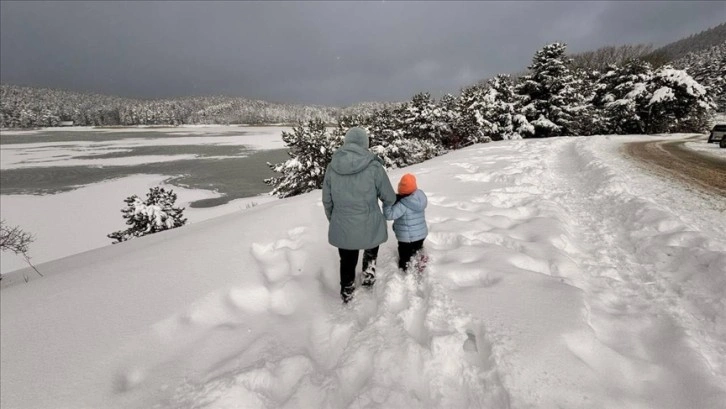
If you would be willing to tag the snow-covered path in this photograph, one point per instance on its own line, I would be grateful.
(653, 285)
(559, 276)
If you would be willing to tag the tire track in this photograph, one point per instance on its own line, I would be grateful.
(671, 159)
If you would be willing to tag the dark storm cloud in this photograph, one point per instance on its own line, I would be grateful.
(333, 53)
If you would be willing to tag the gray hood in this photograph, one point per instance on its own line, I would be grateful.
(354, 155)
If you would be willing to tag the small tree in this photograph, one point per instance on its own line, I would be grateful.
(157, 213)
(16, 240)
(310, 147)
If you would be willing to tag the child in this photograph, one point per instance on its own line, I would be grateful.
(409, 219)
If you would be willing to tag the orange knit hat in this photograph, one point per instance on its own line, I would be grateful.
(407, 185)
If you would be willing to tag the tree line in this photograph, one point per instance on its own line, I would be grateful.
(555, 97)
(29, 107)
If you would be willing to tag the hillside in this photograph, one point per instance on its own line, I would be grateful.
(708, 67)
(694, 43)
(560, 275)
(24, 107)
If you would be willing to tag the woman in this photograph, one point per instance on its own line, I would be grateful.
(354, 181)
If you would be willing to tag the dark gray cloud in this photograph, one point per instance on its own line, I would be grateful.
(333, 53)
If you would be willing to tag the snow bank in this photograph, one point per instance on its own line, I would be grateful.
(703, 146)
(95, 211)
(559, 276)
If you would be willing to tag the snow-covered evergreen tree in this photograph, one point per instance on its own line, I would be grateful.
(473, 125)
(310, 147)
(383, 126)
(620, 95)
(424, 120)
(634, 99)
(592, 120)
(677, 103)
(155, 214)
(708, 68)
(450, 114)
(550, 93)
(388, 139)
(401, 152)
(501, 110)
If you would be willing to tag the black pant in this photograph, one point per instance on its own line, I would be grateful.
(348, 261)
(407, 250)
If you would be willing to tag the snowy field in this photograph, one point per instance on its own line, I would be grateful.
(95, 207)
(560, 276)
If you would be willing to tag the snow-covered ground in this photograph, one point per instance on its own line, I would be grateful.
(94, 210)
(560, 276)
(703, 146)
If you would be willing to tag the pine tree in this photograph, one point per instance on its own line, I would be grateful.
(156, 213)
(310, 147)
(677, 103)
(708, 68)
(424, 120)
(388, 139)
(620, 95)
(451, 138)
(383, 126)
(592, 121)
(473, 126)
(500, 109)
(550, 95)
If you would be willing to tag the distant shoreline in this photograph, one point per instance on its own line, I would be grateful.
(122, 127)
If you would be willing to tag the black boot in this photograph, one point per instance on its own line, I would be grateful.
(369, 277)
(369, 267)
(346, 292)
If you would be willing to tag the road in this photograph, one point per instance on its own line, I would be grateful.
(670, 158)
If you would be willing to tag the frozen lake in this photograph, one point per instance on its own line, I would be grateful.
(67, 186)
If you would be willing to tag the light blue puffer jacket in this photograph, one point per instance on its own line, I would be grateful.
(409, 218)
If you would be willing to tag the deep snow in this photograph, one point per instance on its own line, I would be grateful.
(560, 275)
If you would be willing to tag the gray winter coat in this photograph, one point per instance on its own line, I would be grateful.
(354, 181)
(409, 218)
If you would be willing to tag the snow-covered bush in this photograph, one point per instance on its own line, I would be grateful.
(310, 147)
(156, 213)
(401, 152)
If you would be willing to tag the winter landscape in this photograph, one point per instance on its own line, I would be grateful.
(576, 217)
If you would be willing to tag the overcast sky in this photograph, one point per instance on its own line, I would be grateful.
(333, 53)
